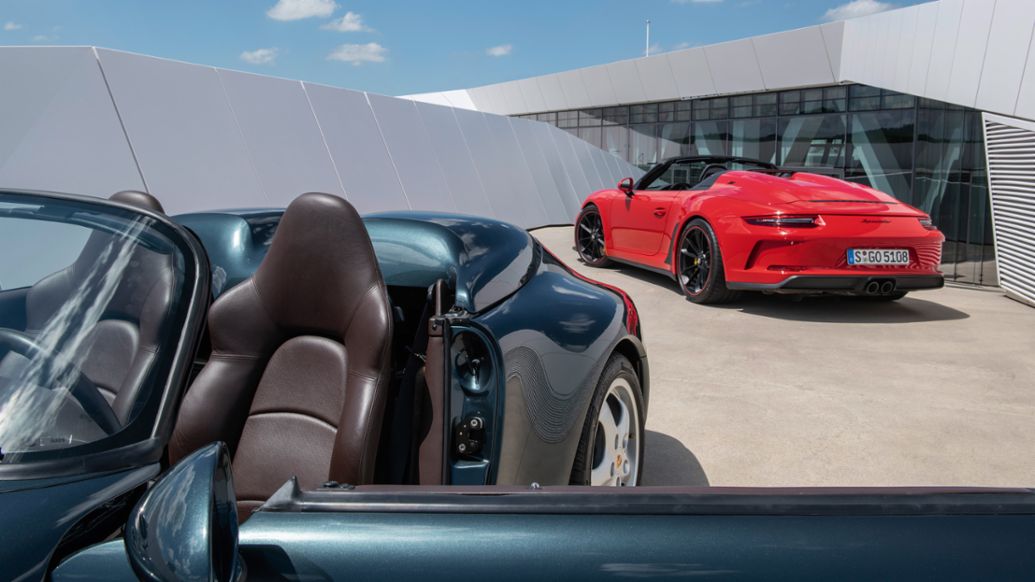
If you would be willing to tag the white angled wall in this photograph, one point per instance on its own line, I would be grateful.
(1010, 147)
(95, 121)
(976, 53)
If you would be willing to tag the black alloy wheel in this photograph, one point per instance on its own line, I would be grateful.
(589, 238)
(700, 272)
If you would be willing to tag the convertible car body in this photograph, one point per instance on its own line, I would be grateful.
(94, 483)
(334, 351)
(719, 225)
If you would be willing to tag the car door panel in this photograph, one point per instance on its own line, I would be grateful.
(638, 222)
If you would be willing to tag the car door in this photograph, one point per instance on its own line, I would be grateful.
(639, 222)
(340, 532)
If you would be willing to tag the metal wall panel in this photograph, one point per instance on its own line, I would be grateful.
(489, 98)
(625, 80)
(833, 40)
(58, 128)
(411, 150)
(553, 93)
(459, 98)
(1010, 146)
(454, 158)
(496, 169)
(574, 89)
(519, 185)
(614, 164)
(598, 85)
(1000, 80)
(532, 95)
(479, 96)
(513, 100)
(185, 137)
(693, 76)
(906, 32)
(1026, 96)
(734, 67)
(658, 80)
(283, 139)
(539, 170)
(569, 158)
(943, 49)
(584, 154)
(544, 137)
(357, 148)
(971, 42)
(922, 41)
(440, 98)
(604, 166)
(794, 58)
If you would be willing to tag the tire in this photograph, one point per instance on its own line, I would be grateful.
(589, 237)
(619, 391)
(704, 281)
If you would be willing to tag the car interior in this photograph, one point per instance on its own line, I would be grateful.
(117, 352)
(301, 367)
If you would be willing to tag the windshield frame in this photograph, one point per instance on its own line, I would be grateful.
(123, 450)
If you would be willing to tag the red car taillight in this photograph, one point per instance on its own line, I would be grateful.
(927, 223)
(784, 221)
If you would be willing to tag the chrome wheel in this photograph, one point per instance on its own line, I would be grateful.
(694, 260)
(590, 237)
(616, 449)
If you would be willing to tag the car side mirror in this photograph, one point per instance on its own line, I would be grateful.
(626, 185)
(185, 527)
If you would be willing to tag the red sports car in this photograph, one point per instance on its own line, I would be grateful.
(720, 225)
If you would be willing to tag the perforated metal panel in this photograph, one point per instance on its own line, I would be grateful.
(1010, 146)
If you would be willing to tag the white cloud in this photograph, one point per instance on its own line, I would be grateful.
(357, 54)
(263, 56)
(856, 8)
(351, 22)
(299, 9)
(9, 26)
(500, 51)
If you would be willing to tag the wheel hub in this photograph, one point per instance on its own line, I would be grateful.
(616, 451)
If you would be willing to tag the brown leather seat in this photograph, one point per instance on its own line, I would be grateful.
(300, 365)
(117, 354)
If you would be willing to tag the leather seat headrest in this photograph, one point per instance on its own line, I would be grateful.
(141, 200)
(319, 268)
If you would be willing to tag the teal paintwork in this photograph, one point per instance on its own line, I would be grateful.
(171, 536)
(486, 258)
(622, 540)
(549, 331)
(41, 514)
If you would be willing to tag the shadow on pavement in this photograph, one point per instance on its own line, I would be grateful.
(667, 462)
(836, 309)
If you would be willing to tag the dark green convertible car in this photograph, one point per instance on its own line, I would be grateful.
(308, 395)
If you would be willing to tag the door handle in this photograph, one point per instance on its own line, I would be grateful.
(659, 212)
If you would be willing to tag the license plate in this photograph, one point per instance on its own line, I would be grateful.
(878, 257)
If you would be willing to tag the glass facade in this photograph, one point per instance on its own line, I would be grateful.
(925, 153)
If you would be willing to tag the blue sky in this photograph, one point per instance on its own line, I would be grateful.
(396, 47)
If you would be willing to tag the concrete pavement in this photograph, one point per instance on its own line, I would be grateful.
(935, 389)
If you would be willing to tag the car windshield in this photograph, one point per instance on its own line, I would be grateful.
(87, 302)
(684, 174)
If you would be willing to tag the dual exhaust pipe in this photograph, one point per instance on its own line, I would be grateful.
(880, 287)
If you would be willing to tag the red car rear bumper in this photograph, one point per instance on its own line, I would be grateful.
(843, 283)
(816, 259)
